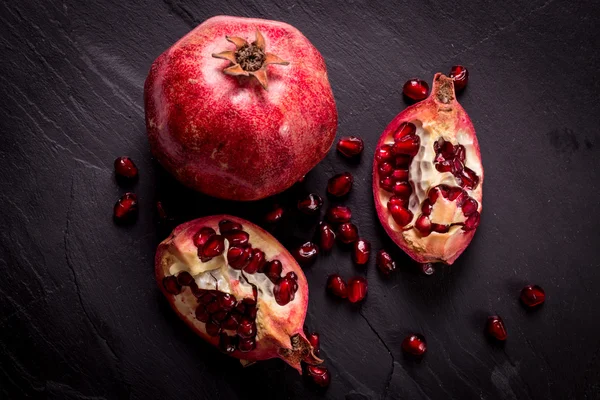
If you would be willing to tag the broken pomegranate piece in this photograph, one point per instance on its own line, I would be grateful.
(238, 288)
(427, 177)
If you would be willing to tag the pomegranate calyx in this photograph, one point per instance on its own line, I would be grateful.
(249, 59)
(301, 350)
(443, 90)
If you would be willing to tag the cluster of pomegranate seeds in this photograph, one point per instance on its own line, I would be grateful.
(274, 215)
(306, 253)
(340, 184)
(126, 168)
(311, 204)
(318, 375)
(451, 158)
(393, 161)
(461, 77)
(414, 345)
(532, 296)
(339, 214)
(347, 233)
(385, 263)
(350, 146)
(361, 252)
(495, 328)
(326, 236)
(337, 286)
(126, 208)
(416, 89)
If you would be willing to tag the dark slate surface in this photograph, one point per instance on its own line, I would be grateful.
(80, 315)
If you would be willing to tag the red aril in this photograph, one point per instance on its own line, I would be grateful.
(240, 108)
(339, 214)
(340, 184)
(326, 236)
(415, 89)
(274, 215)
(126, 168)
(414, 345)
(430, 205)
(357, 289)
(202, 236)
(319, 375)
(350, 146)
(252, 315)
(306, 253)
(126, 208)
(337, 286)
(495, 328)
(315, 342)
(532, 295)
(311, 204)
(461, 77)
(385, 263)
(361, 251)
(347, 233)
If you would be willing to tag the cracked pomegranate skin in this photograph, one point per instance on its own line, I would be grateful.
(227, 136)
(439, 117)
(277, 326)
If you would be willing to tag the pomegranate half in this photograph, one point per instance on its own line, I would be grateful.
(238, 288)
(428, 177)
(240, 108)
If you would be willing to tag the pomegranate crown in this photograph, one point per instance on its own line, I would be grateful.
(249, 59)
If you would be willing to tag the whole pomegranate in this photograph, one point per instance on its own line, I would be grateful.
(427, 177)
(240, 108)
(238, 288)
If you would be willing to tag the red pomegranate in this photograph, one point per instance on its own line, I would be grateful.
(248, 298)
(240, 108)
(428, 177)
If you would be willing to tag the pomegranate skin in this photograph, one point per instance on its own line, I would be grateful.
(280, 328)
(443, 117)
(227, 136)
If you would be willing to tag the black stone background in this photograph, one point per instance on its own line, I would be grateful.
(81, 317)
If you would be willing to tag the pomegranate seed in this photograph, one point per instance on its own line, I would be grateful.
(219, 316)
(214, 246)
(237, 238)
(399, 201)
(383, 154)
(202, 236)
(273, 270)
(387, 183)
(292, 275)
(207, 297)
(470, 178)
(385, 263)
(402, 161)
(314, 340)
(414, 345)
(184, 278)
(385, 169)
(251, 311)
(212, 329)
(201, 314)
(426, 207)
(246, 345)
(226, 226)
(284, 291)
(319, 375)
(326, 236)
(213, 306)
(339, 214)
(275, 215)
(402, 216)
(407, 145)
(126, 208)
(401, 189)
(239, 257)
(472, 222)
(340, 184)
(350, 146)
(405, 129)
(457, 194)
(400, 174)
(532, 295)
(416, 89)
(227, 343)
(125, 168)
(461, 77)
(311, 204)
(362, 251)
(347, 233)
(444, 166)
(161, 212)
(439, 228)
(306, 253)
(227, 301)
(357, 289)
(469, 206)
(231, 322)
(246, 328)
(337, 286)
(171, 285)
(495, 328)
(427, 268)
(257, 262)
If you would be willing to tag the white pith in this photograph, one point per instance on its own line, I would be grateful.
(422, 176)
